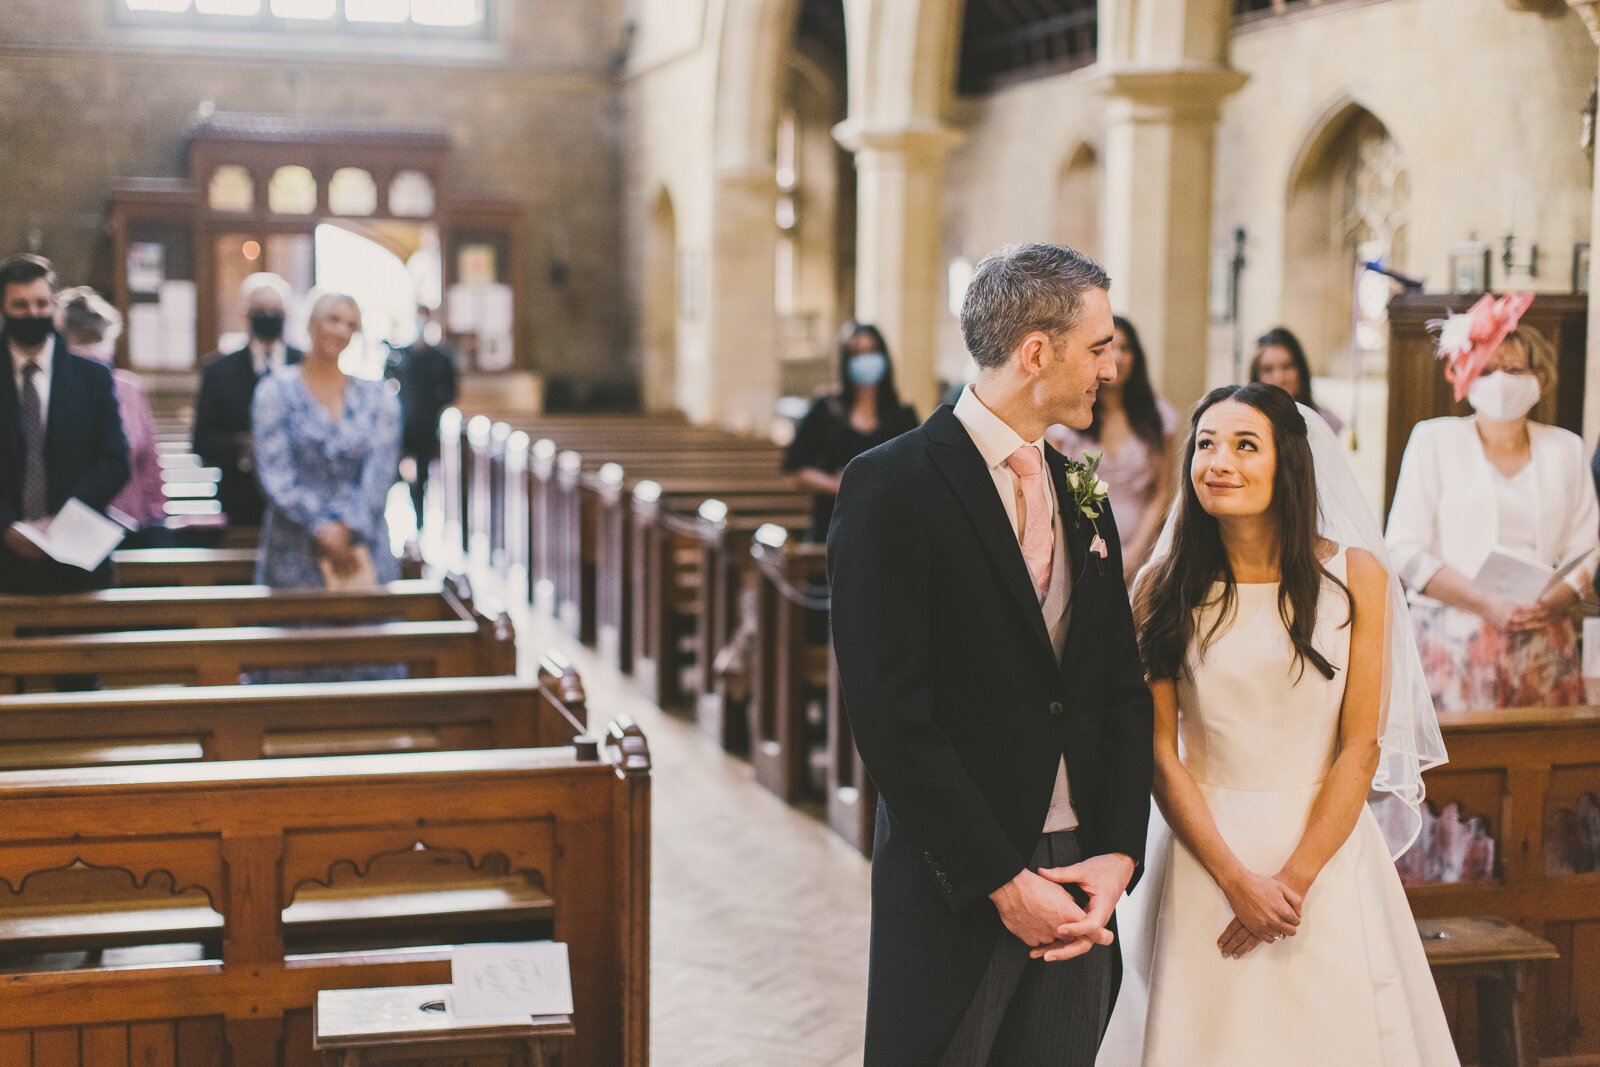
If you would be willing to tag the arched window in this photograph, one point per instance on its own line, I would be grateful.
(231, 189)
(292, 191)
(351, 191)
(411, 194)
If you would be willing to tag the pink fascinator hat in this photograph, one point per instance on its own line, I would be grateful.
(1469, 341)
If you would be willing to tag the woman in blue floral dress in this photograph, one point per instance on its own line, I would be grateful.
(327, 452)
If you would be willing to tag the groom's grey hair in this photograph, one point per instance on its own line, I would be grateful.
(1023, 288)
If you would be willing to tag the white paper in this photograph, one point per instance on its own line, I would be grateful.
(1591, 648)
(510, 980)
(147, 336)
(78, 536)
(1517, 578)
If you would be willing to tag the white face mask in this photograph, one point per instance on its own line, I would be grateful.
(1503, 397)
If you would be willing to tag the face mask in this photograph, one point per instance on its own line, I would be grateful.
(1503, 397)
(30, 330)
(868, 368)
(266, 325)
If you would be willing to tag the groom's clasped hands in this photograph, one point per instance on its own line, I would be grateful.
(1038, 910)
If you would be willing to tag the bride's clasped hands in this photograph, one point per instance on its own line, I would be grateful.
(1265, 909)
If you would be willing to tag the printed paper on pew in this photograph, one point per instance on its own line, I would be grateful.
(511, 981)
(1519, 579)
(78, 536)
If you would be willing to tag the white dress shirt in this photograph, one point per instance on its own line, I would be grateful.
(996, 441)
(41, 381)
(267, 357)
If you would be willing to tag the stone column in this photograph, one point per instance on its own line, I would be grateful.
(1589, 11)
(744, 318)
(1160, 135)
(899, 275)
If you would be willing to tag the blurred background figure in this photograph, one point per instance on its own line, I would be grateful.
(327, 448)
(425, 371)
(863, 413)
(1133, 431)
(1496, 480)
(222, 436)
(91, 326)
(1280, 360)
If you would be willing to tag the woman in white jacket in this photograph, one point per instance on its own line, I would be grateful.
(1492, 480)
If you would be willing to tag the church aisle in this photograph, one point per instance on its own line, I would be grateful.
(759, 913)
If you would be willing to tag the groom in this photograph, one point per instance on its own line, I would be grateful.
(992, 678)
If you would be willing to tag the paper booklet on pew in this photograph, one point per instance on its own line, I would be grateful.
(508, 982)
(78, 536)
(1519, 579)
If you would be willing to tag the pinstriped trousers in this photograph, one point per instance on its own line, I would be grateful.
(1029, 1013)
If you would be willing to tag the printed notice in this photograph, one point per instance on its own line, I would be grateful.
(78, 536)
(510, 980)
(1519, 579)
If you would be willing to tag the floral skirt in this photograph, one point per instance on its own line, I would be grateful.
(1473, 665)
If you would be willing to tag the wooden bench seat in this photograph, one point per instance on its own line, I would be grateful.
(221, 656)
(266, 721)
(1524, 772)
(255, 839)
(163, 607)
(184, 566)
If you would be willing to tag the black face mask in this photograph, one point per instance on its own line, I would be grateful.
(29, 330)
(266, 325)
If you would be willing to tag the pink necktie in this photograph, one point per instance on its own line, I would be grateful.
(1034, 530)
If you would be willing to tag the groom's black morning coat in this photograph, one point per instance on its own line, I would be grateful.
(962, 713)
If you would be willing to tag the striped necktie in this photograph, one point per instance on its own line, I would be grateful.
(35, 499)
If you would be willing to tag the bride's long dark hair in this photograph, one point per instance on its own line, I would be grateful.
(1167, 600)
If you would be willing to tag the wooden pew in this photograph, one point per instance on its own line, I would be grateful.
(228, 850)
(184, 566)
(310, 719)
(1525, 772)
(458, 648)
(166, 607)
(788, 669)
(685, 569)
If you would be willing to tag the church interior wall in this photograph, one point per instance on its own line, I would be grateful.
(533, 115)
(1003, 182)
(1484, 105)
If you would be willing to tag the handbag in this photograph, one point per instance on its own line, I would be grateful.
(364, 577)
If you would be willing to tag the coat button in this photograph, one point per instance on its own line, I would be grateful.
(1057, 708)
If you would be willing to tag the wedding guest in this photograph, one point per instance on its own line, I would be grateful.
(327, 452)
(91, 326)
(426, 373)
(1133, 432)
(1495, 479)
(222, 436)
(65, 439)
(1281, 360)
(863, 413)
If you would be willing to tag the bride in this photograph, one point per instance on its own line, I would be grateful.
(1286, 686)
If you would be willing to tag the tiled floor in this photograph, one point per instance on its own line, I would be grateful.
(759, 913)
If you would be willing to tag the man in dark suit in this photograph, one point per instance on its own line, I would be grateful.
(62, 435)
(222, 436)
(991, 674)
(425, 370)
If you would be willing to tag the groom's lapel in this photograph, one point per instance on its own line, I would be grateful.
(1077, 554)
(958, 460)
(1071, 520)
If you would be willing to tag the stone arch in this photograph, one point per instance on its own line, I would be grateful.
(1347, 196)
(661, 301)
(1079, 200)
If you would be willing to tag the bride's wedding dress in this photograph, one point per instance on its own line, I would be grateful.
(1352, 986)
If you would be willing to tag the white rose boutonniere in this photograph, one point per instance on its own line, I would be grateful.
(1089, 495)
